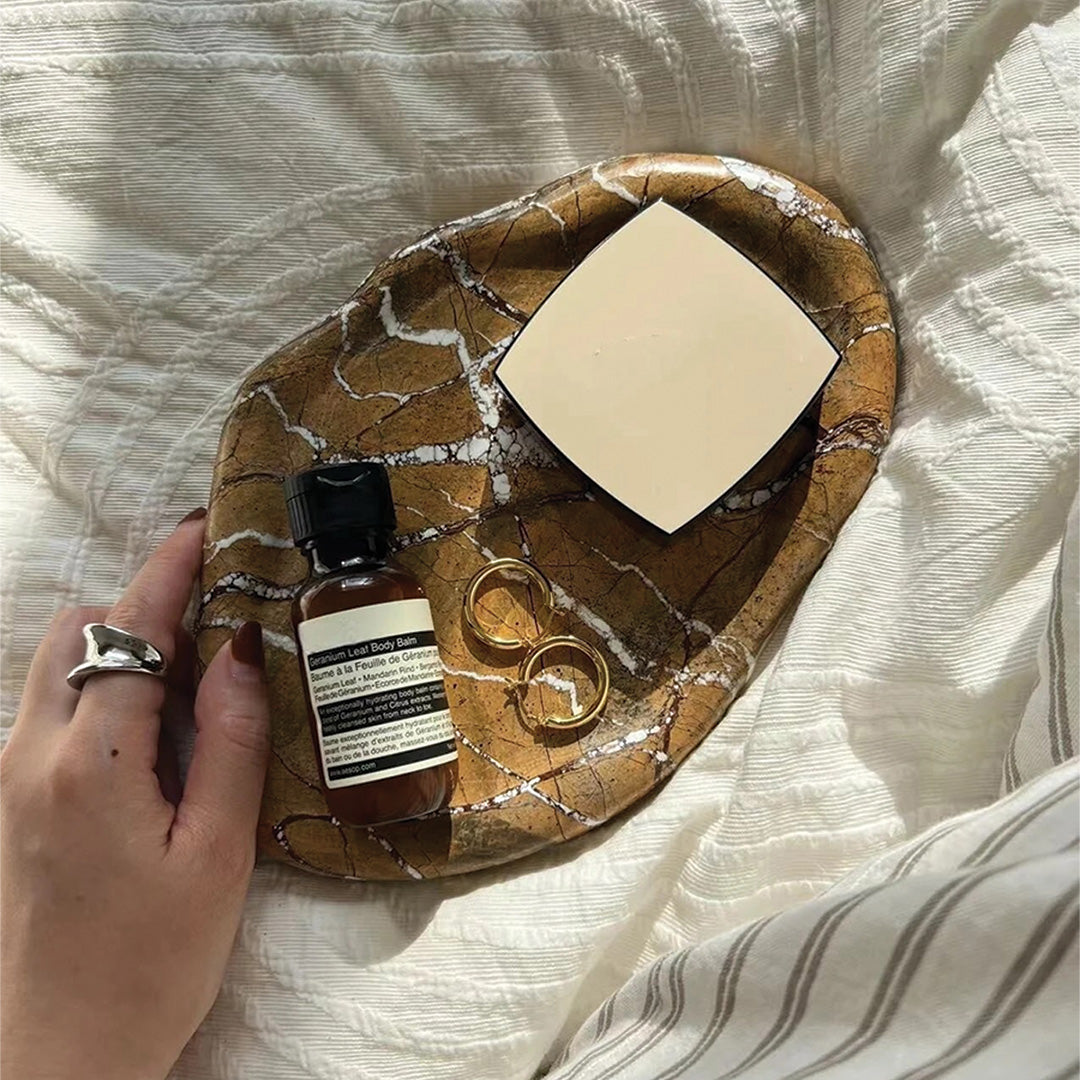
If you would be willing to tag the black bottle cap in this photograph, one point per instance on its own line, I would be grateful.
(339, 498)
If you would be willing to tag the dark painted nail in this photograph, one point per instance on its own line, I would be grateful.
(247, 645)
(196, 515)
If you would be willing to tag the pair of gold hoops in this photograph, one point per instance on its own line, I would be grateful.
(537, 647)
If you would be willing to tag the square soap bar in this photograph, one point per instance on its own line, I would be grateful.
(666, 366)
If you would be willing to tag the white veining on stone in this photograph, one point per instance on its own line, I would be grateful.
(526, 551)
(433, 532)
(497, 446)
(614, 187)
(401, 397)
(340, 379)
(466, 276)
(687, 623)
(520, 203)
(476, 676)
(526, 787)
(615, 746)
(564, 686)
(237, 581)
(344, 312)
(454, 503)
(811, 531)
(790, 201)
(854, 433)
(263, 539)
(713, 678)
(486, 397)
(873, 328)
(315, 441)
(564, 600)
(394, 854)
(738, 501)
(720, 642)
(557, 218)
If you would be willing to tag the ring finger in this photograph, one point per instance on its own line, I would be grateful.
(152, 607)
(47, 696)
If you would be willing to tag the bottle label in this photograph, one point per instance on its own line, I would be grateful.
(376, 685)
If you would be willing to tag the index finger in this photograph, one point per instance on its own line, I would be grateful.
(151, 607)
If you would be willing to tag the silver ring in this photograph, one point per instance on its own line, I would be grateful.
(110, 649)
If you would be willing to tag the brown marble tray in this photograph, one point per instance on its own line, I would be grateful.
(403, 372)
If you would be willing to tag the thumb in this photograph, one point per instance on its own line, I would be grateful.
(228, 765)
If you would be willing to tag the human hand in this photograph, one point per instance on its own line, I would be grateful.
(118, 908)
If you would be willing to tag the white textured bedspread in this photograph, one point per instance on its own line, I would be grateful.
(185, 186)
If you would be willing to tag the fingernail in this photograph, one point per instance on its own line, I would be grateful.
(247, 646)
(196, 515)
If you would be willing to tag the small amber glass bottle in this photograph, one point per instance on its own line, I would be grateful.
(369, 663)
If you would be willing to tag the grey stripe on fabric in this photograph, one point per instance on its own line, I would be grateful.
(1057, 649)
(606, 1013)
(801, 981)
(1070, 1072)
(724, 1006)
(898, 971)
(791, 1013)
(1000, 837)
(906, 864)
(901, 967)
(1054, 663)
(1035, 962)
(649, 1006)
(603, 1022)
(1012, 768)
(1002, 834)
(678, 997)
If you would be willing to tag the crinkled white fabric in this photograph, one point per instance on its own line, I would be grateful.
(186, 186)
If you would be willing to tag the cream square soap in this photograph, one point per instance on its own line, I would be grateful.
(665, 366)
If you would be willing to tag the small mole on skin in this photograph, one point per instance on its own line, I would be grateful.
(114, 752)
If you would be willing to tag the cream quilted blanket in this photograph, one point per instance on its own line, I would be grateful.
(188, 185)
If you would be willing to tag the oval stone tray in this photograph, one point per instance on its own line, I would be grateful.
(402, 373)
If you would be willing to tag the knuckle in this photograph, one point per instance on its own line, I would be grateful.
(133, 612)
(68, 780)
(138, 614)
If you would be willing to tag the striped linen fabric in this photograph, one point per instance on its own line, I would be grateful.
(953, 955)
(956, 956)
(1046, 735)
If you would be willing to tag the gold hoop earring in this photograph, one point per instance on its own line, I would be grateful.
(539, 646)
(501, 566)
(603, 680)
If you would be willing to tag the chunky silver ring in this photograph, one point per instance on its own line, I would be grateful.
(111, 649)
